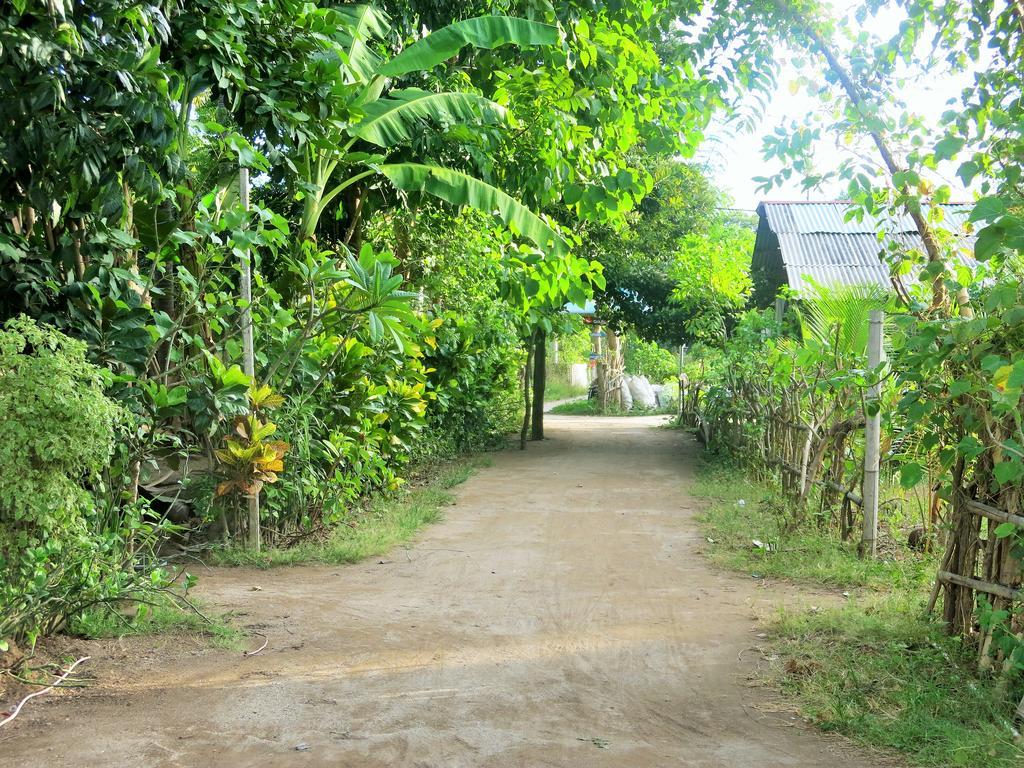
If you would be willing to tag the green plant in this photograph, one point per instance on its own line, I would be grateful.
(388, 518)
(59, 549)
(885, 677)
(162, 615)
(645, 358)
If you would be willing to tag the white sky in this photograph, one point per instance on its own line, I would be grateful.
(735, 159)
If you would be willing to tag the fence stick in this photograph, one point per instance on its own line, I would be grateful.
(248, 351)
(872, 439)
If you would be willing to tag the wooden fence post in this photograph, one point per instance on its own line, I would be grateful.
(248, 350)
(540, 374)
(872, 439)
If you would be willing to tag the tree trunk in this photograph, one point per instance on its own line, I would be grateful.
(539, 378)
(527, 370)
(931, 245)
(613, 371)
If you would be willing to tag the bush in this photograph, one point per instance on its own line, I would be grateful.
(57, 431)
(645, 358)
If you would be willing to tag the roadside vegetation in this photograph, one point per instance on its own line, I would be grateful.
(164, 617)
(259, 260)
(560, 389)
(748, 526)
(865, 661)
(588, 407)
(878, 672)
(373, 528)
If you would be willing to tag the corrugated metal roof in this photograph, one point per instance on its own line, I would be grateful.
(819, 245)
(808, 218)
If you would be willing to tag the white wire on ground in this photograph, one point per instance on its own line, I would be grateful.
(260, 649)
(54, 684)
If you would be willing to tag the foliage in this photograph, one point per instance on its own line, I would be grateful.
(50, 442)
(740, 510)
(250, 458)
(877, 672)
(375, 528)
(472, 353)
(959, 404)
(712, 276)
(60, 550)
(640, 256)
(159, 616)
(873, 668)
(645, 358)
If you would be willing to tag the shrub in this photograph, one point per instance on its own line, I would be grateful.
(57, 431)
(651, 360)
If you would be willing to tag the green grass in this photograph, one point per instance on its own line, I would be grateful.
(878, 672)
(585, 407)
(810, 555)
(874, 668)
(562, 390)
(386, 522)
(165, 617)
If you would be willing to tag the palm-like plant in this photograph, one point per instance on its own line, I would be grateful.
(836, 317)
(387, 119)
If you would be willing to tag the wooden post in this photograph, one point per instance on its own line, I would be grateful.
(780, 309)
(613, 369)
(539, 376)
(681, 380)
(527, 406)
(872, 438)
(248, 350)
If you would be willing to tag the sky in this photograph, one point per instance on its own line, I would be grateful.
(735, 159)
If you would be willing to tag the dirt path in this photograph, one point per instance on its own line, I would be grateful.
(561, 615)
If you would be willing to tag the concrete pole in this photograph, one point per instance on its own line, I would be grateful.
(872, 439)
(681, 378)
(248, 350)
(780, 309)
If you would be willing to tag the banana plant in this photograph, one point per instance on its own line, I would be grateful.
(385, 119)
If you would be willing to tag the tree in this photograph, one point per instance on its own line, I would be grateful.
(676, 260)
(712, 276)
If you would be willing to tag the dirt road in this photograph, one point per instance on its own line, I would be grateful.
(561, 615)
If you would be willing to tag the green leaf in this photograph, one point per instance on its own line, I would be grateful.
(459, 188)
(970, 447)
(990, 240)
(1004, 530)
(988, 209)
(911, 474)
(1008, 472)
(362, 23)
(959, 387)
(480, 32)
(948, 147)
(396, 119)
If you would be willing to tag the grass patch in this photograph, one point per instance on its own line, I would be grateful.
(737, 512)
(585, 407)
(166, 617)
(562, 390)
(881, 674)
(385, 522)
(874, 668)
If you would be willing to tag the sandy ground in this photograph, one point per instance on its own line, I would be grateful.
(561, 615)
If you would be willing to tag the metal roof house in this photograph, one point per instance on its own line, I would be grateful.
(804, 243)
